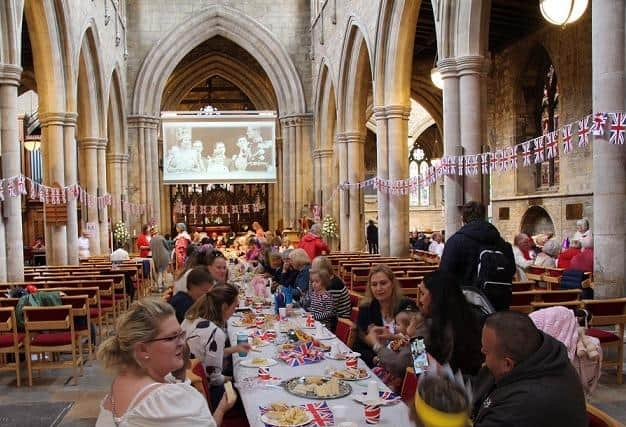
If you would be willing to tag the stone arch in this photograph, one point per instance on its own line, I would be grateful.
(422, 91)
(536, 220)
(11, 13)
(394, 51)
(116, 115)
(325, 107)
(261, 95)
(235, 26)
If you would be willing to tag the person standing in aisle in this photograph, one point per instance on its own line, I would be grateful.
(372, 237)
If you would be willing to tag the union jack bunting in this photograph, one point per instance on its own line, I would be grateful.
(617, 129)
(320, 411)
(459, 162)
(452, 165)
(1, 190)
(512, 158)
(484, 161)
(493, 162)
(567, 138)
(32, 190)
(538, 151)
(42, 194)
(11, 188)
(551, 145)
(583, 132)
(597, 127)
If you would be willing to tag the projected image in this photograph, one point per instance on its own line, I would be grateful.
(206, 151)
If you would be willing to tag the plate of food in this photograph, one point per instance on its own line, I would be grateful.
(323, 336)
(283, 415)
(258, 342)
(317, 387)
(351, 374)
(343, 355)
(246, 321)
(258, 362)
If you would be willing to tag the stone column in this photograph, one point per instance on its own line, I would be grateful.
(293, 174)
(317, 175)
(609, 161)
(138, 178)
(470, 72)
(382, 171)
(344, 205)
(153, 169)
(280, 182)
(325, 156)
(453, 187)
(53, 153)
(356, 173)
(115, 179)
(11, 166)
(103, 216)
(90, 149)
(71, 177)
(286, 172)
(398, 166)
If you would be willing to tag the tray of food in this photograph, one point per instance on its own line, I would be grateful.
(317, 387)
(283, 415)
(351, 374)
(247, 320)
(342, 355)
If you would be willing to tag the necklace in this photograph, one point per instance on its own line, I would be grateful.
(116, 420)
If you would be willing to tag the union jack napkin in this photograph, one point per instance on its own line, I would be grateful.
(303, 354)
(322, 415)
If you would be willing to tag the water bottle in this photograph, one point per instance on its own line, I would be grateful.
(566, 243)
(242, 337)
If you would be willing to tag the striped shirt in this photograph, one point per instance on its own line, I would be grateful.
(323, 308)
(341, 297)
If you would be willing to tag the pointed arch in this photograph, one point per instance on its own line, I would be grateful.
(325, 108)
(116, 116)
(11, 13)
(235, 26)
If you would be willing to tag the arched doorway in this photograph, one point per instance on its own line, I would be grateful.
(536, 220)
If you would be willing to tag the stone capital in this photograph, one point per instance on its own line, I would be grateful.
(143, 121)
(354, 137)
(320, 153)
(379, 112)
(57, 118)
(447, 68)
(102, 143)
(467, 65)
(10, 74)
(117, 158)
(397, 112)
(297, 120)
(89, 142)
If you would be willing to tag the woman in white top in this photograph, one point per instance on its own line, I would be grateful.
(83, 245)
(582, 230)
(204, 326)
(437, 245)
(524, 255)
(148, 345)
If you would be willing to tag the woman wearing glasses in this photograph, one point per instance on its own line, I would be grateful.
(147, 346)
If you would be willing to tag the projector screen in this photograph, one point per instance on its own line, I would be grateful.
(222, 148)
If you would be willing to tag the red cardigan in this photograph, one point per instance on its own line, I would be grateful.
(565, 258)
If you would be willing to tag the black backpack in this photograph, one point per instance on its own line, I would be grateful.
(494, 279)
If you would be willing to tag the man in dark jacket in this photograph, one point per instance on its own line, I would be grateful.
(372, 237)
(460, 255)
(528, 379)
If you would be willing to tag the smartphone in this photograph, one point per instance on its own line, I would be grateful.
(420, 356)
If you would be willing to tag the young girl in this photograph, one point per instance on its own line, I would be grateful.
(206, 336)
(319, 301)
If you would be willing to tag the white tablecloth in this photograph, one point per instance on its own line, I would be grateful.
(392, 415)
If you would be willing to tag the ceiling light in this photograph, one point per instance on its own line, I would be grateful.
(32, 144)
(435, 76)
(562, 12)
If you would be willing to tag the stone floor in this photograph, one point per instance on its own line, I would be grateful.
(93, 385)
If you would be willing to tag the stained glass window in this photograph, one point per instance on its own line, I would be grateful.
(418, 165)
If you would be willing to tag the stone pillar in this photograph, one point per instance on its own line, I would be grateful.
(609, 161)
(71, 177)
(382, 166)
(317, 175)
(398, 166)
(138, 179)
(115, 161)
(305, 126)
(280, 182)
(470, 72)
(11, 166)
(344, 205)
(325, 156)
(103, 215)
(89, 147)
(453, 188)
(53, 153)
(152, 169)
(356, 173)
(286, 172)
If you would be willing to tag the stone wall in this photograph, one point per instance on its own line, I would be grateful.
(569, 50)
(287, 20)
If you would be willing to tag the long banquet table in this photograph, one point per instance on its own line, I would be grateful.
(252, 398)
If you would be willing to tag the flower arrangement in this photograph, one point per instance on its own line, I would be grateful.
(329, 227)
(120, 234)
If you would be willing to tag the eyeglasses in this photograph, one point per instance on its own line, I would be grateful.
(179, 336)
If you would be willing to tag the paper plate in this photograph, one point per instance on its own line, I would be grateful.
(342, 356)
(248, 363)
(268, 421)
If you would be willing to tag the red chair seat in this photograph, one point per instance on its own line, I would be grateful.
(94, 312)
(52, 339)
(603, 336)
(106, 303)
(6, 340)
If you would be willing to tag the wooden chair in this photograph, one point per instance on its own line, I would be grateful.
(521, 301)
(198, 369)
(355, 298)
(552, 277)
(409, 385)
(411, 292)
(535, 273)
(598, 418)
(526, 285)
(609, 312)
(345, 331)
(10, 342)
(82, 320)
(51, 330)
(354, 315)
(410, 282)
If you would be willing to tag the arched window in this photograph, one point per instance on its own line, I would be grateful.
(548, 171)
(418, 165)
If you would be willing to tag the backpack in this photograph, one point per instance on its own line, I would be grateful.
(493, 278)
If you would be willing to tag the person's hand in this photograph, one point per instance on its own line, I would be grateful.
(243, 347)
(372, 337)
(381, 332)
(225, 405)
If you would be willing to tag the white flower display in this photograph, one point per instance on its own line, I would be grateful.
(329, 227)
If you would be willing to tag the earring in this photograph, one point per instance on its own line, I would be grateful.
(147, 357)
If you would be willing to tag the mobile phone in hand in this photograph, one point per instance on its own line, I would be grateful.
(420, 356)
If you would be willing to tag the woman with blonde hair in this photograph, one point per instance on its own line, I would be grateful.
(336, 287)
(300, 262)
(383, 300)
(205, 325)
(147, 346)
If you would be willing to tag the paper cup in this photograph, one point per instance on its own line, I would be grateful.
(270, 334)
(264, 374)
(260, 322)
(282, 313)
(352, 362)
(372, 414)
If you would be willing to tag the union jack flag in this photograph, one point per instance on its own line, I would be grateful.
(567, 139)
(552, 145)
(459, 161)
(538, 149)
(303, 354)
(617, 129)
(386, 395)
(599, 120)
(526, 152)
(485, 162)
(320, 411)
(583, 132)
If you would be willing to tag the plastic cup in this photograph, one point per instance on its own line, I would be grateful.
(264, 374)
(242, 337)
(372, 390)
(282, 313)
(352, 362)
(372, 414)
